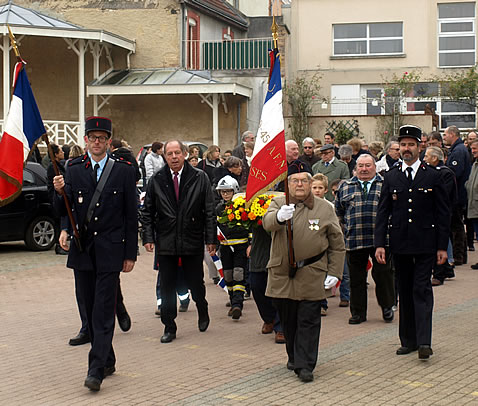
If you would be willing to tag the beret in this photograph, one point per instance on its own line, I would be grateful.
(298, 167)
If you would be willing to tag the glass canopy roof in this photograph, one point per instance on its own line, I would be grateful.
(153, 77)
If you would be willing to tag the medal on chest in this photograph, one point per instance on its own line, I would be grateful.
(314, 224)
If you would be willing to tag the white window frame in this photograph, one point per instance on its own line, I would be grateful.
(438, 100)
(455, 34)
(367, 40)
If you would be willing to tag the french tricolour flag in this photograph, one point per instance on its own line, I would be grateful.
(269, 164)
(21, 129)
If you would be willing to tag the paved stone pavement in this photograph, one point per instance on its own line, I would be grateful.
(230, 364)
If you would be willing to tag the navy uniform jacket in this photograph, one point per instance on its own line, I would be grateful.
(417, 215)
(113, 229)
(459, 161)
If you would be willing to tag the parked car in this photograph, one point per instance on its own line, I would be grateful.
(30, 217)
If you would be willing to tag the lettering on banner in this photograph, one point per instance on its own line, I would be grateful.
(276, 157)
(265, 136)
(258, 173)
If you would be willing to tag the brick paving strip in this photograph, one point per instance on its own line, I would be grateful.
(232, 363)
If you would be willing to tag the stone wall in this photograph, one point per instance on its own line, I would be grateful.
(155, 25)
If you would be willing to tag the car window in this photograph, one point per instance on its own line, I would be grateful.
(28, 178)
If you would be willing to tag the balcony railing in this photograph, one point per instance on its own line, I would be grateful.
(60, 132)
(228, 55)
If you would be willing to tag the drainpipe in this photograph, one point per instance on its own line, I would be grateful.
(128, 61)
(239, 122)
(183, 35)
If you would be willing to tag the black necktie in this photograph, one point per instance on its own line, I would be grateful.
(97, 166)
(409, 170)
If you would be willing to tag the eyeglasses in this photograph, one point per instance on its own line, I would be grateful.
(308, 147)
(296, 181)
(93, 138)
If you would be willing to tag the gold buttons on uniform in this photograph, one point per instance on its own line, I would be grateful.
(409, 210)
(95, 233)
(409, 190)
(409, 200)
(409, 220)
(96, 218)
(97, 204)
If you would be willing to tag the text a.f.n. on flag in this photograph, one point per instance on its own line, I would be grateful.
(22, 127)
(269, 164)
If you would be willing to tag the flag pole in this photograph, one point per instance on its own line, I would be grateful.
(292, 262)
(50, 151)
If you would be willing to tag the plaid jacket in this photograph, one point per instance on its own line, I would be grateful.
(357, 214)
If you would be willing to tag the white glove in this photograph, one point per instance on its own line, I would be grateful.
(330, 282)
(286, 212)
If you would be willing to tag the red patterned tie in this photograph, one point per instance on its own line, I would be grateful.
(176, 185)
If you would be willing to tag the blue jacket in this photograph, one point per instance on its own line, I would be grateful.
(112, 233)
(459, 161)
(416, 215)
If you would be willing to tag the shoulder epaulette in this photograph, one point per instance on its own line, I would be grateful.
(121, 159)
(78, 160)
(396, 165)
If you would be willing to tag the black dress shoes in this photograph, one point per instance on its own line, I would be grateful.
(203, 323)
(109, 371)
(387, 314)
(124, 321)
(80, 339)
(405, 350)
(92, 383)
(168, 337)
(424, 351)
(357, 319)
(290, 365)
(305, 375)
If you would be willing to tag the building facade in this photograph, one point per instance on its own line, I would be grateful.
(356, 49)
(160, 69)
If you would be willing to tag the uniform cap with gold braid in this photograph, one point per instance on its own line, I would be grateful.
(98, 124)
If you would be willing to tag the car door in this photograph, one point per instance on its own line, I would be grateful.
(13, 215)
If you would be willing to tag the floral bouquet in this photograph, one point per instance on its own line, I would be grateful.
(236, 214)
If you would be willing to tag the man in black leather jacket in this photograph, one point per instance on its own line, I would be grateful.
(178, 217)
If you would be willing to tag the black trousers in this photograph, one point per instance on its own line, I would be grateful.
(120, 307)
(301, 325)
(267, 311)
(470, 232)
(194, 277)
(234, 264)
(97, 290)
(382, 275)
(416, 298)
(458, 236)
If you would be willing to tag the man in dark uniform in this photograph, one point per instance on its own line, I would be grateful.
(414, 208)
(459, 162)
(109, 238)
(178, 217)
